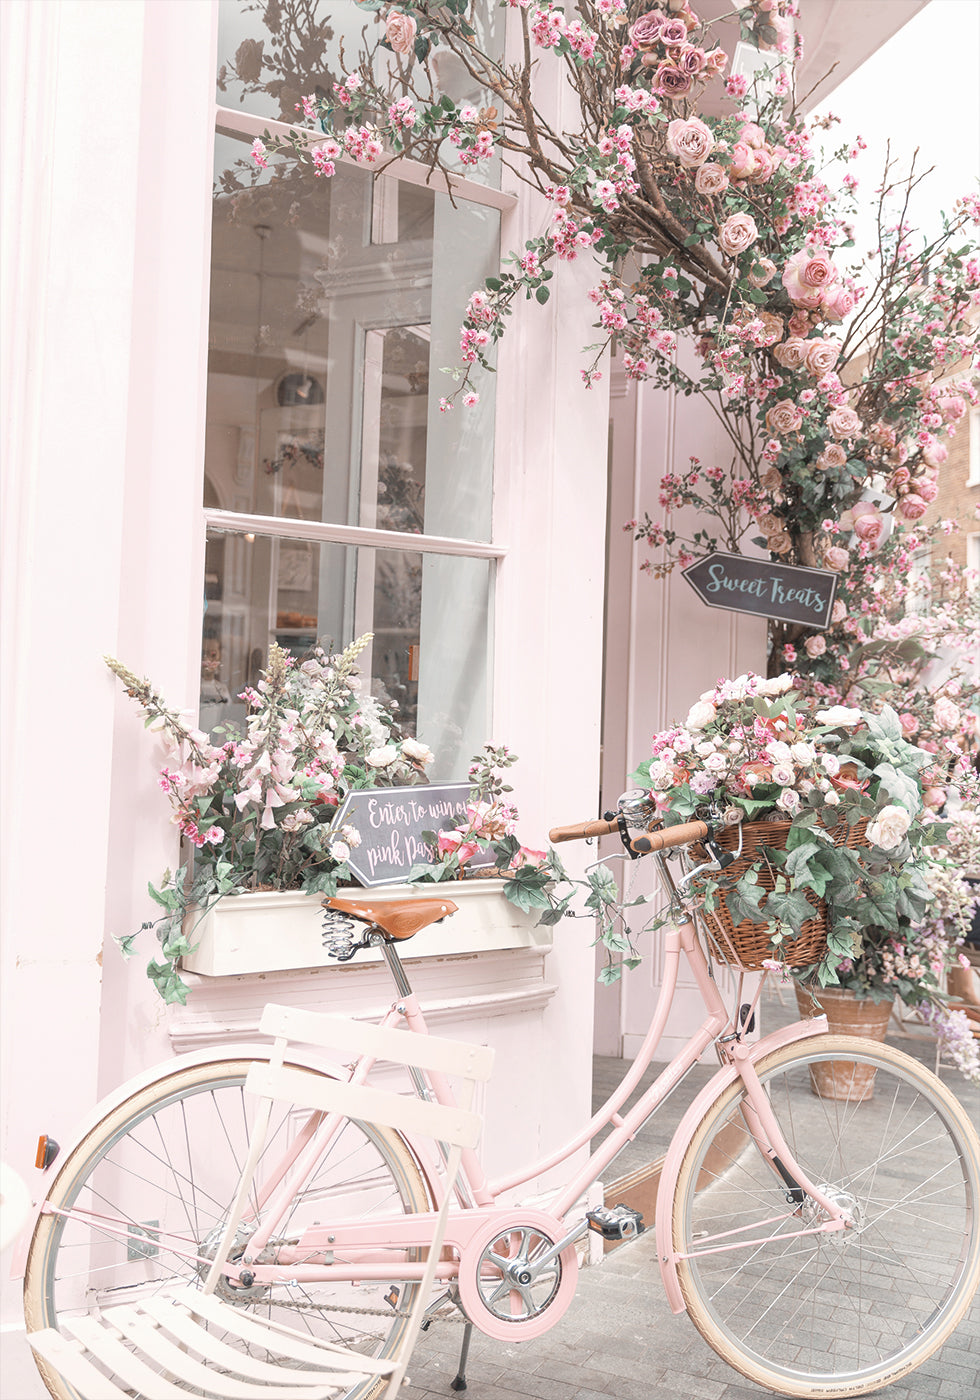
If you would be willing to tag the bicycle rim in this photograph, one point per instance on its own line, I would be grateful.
(160, 1171)
(845, 1313)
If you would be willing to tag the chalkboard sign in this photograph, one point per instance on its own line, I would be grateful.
(390, 823)
(785, 592)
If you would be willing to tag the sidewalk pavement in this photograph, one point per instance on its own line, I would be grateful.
(619, 1341)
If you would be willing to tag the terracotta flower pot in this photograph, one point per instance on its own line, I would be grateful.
(846, 1015)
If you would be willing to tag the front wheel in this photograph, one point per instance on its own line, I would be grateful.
(845, 1313)
(145, 1196)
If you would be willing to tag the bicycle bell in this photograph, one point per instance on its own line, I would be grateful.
(638, 808)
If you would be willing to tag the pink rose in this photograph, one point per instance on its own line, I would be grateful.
(869, 525)
(743, 161)
(952, 407)
(815, 646)
(910, 725)
(762, 273)
(400, 31)
(836, 558)
(689, 142)
(648, 28)
(791, 354)
(806, 277)
(752, 135)
(765, 167)
(844, 422)
(716, 61)
(833, 455)
(711, 179)
(784, 417)
(821, 356)
(838, 304)
(799, 323)
(689, 59)
(911, 507)
(927, 489)
(737, 233)
(839, 611)
(936, 455)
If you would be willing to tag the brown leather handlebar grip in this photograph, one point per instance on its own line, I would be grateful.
(681, 835)
(582, 831)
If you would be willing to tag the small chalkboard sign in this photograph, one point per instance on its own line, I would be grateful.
(390, 823)
(785, 592)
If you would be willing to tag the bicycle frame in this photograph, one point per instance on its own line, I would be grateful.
(373, 1250)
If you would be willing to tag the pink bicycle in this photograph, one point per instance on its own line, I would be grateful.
(822, 1245)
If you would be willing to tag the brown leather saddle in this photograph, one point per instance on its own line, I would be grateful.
(398, 918)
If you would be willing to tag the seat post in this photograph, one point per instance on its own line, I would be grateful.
(390, 954)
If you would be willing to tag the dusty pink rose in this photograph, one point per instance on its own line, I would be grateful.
(833, 455)
(648, 28)
(688, 58)
(784, 417)
(911, 507)
(844, 422)
(669, 81)
(780, 542)
(673, 31)
(711, 179)
(936, 455)
(716, 61)
(799, 323)
(899, 478)
(869, 524)
(807, 276)
(762, 273)
(821, 356)
(928, 490)
(689, 142)
(839, 611)
(815, 646)
(771, 479)
(792, 353)
(400, 31)
(743, 161)
(836, 558)
(737, 233)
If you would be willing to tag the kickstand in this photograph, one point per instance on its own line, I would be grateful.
(460, 1382)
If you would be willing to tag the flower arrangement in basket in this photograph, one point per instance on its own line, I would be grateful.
(823, 807)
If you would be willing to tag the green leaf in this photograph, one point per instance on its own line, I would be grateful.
(542, 294)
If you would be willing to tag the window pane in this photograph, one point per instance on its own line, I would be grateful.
(429, 615)
(271, 55)
(334, 304)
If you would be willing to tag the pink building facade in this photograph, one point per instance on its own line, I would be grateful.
(137, 486)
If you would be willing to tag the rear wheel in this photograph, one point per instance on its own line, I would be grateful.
(845, 1313)
(149, 1187)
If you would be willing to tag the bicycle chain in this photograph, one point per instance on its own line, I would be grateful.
(451, 1314)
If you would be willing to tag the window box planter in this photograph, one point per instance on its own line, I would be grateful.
(278, 931)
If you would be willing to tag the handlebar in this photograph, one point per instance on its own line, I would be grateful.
(681, 835)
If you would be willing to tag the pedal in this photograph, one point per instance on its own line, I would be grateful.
(615, 1222)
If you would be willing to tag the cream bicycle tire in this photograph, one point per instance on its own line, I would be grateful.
(206, 1103)
(803, 1317)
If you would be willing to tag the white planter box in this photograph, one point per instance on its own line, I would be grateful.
(276, 931)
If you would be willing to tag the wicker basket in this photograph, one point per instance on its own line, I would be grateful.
(747, 944)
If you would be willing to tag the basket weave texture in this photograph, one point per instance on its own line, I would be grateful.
(746, 944)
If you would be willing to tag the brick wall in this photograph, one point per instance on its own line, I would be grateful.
(958, 498)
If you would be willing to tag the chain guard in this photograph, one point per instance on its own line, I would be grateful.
(498, 1289)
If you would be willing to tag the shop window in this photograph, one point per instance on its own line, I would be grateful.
(339, 500)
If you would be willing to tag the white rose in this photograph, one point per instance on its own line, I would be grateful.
(788, 800)
(701, 715)
(831, 799)
(683, 743)
(779, 752)
(339, 850)
(782, 774)
(838, 714)
(889, 827)
(830, 764)
(382, 758)
(715, 763)
(802, 753)
(704, 748)
(419, 753)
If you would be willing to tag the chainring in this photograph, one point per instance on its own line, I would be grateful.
(500, 1288)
